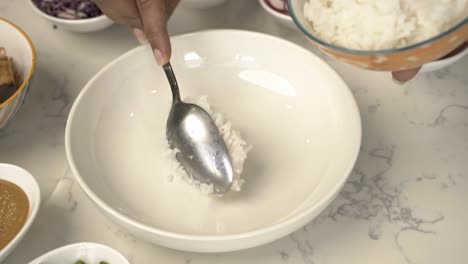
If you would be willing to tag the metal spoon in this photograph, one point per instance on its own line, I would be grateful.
(201, 149)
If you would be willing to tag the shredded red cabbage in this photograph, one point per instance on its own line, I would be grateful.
(69, 9)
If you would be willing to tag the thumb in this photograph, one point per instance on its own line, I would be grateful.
(154, 17)
(405, 75)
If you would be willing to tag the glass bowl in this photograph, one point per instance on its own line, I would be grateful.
(407, 57)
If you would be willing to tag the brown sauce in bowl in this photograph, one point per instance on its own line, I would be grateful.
(14, 209)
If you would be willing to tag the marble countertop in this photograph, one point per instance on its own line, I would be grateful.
(405, 202)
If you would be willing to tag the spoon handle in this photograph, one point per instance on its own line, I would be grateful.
(172, 82)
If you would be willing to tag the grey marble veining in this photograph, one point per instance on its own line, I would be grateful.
(404, 202)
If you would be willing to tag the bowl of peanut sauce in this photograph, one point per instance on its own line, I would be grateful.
(19, 203)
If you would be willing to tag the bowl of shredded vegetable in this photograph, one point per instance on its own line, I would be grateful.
(73, 15)
(82, 253)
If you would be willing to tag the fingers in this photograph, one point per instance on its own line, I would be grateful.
(147, 20)
(139, 35)
(171, 6)
(401, 77)
(154, 15)
(124, 12)
(121, 11)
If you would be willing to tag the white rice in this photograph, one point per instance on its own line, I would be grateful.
(382, 24)
(238, 149)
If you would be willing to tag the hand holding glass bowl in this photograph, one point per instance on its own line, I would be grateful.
(404, 62)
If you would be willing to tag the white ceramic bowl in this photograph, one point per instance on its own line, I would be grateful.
(25, 181)
(90, 253)
(297, 112)
(76, 25)
(202, 4)
(442, 63)
(21, 49)
(279, 17)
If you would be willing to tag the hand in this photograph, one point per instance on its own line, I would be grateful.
(403, 76)
(148, 20)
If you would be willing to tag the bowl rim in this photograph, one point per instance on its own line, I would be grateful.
(58, 250)
(371, 52)
(442, 63)
(452, 58)
(68, 21)
(36, 197)
(30, 73)
(274, 12)
(227, 237)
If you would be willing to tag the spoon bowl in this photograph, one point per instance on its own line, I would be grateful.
(201, 149)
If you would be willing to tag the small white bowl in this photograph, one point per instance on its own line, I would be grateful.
(90, 253)
(442, 63)
(28, 184)
(202, 4)
(77, 25)
(279, 17)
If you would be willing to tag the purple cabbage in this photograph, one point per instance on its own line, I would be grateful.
(69, 9)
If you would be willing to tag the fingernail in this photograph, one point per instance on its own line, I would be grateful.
(140, 35)
(397, 81)
(159, 57)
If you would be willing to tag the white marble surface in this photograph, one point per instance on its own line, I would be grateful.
(404, 203)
